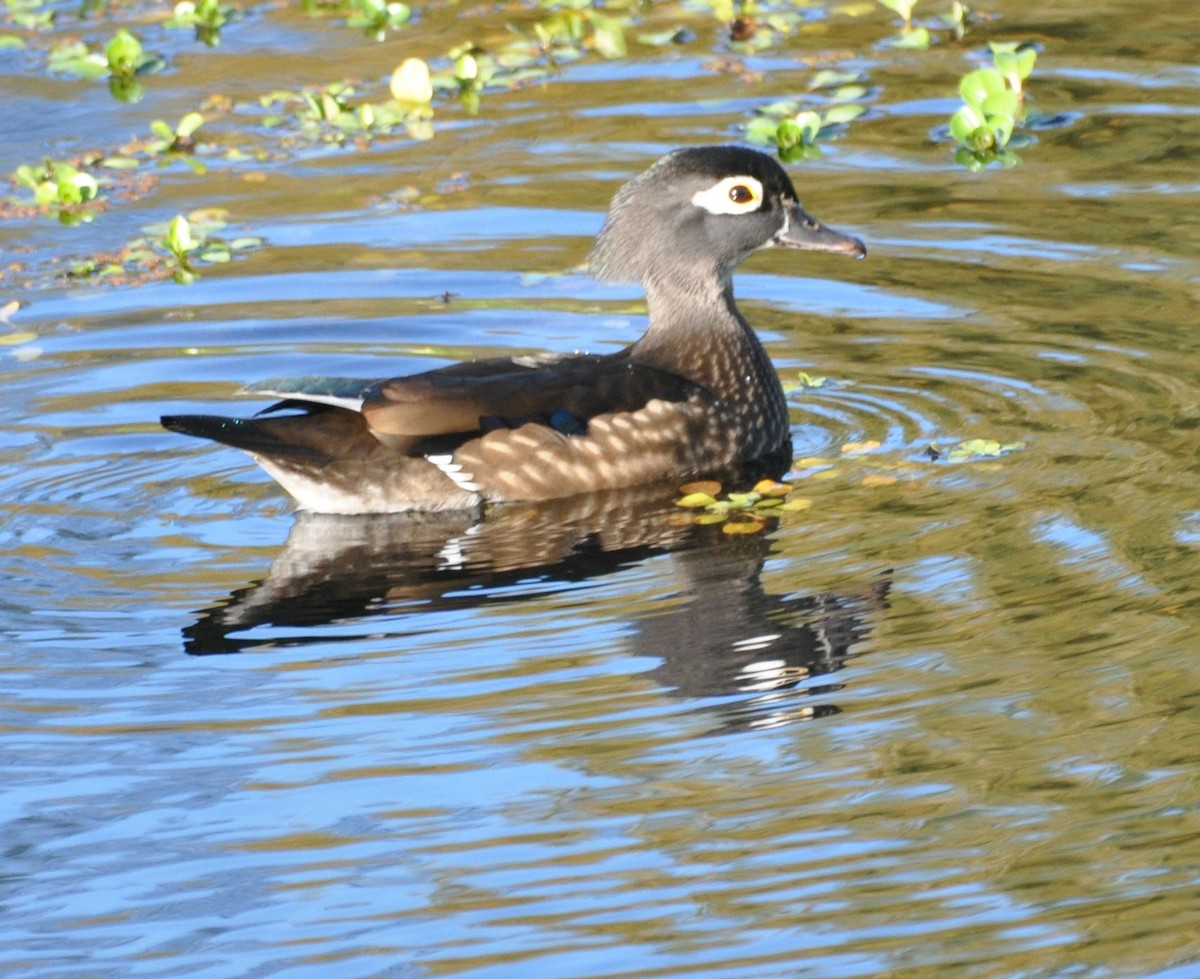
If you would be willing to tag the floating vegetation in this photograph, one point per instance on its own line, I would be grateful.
(993, 107)
(124, 61)
(958, 19)
(572, 28)
(739, 512)
(173, 250)
(69, 191)
(164, 145)
(919, 37)
(177, 141)
(795, 130)
(867, 463)
(60, 189)
(205, 17)
(902, 7)
(805, 380)
(661, 39)
(377, 17)
(30, 15)
(973, 449)
(910, 36)
(189, 240)
(329, 114)
(519, 44)
(755, 25)
(474, 71)
(334, 113)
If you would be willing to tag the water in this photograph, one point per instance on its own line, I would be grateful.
(942, 723)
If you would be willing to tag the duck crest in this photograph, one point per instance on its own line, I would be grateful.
(695, 395)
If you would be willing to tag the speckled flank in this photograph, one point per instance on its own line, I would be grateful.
(536, 463)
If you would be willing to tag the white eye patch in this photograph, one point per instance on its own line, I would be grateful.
(731, 195)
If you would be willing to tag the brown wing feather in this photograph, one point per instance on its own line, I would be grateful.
(456, 400)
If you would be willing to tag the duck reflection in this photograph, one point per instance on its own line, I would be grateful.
(724, 636)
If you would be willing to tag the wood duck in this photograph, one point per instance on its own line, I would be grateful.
(695, 396)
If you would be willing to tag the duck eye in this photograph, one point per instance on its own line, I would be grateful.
(731, 195)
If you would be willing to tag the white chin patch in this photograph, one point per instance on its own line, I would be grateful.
(731, 195)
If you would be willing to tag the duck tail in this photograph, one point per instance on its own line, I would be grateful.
(271, 437)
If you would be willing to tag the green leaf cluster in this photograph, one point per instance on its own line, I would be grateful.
(123, 61)
(921, 37)
(177, 140)
(60, 189)
(916, 38)
(377, 17)
(795, 131)
(189, 239)
(805, 381)
(171, 250)
(992, 108)
(330, 114)
(32, 15)
(124, 54)
(1014, 61)
(205, 17)
(570, 29)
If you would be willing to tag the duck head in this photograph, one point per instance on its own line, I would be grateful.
(698, 212)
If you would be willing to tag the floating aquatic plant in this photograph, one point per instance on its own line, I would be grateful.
(205, 17)
(333, 113)
(661, 39)
(171, 250)
(993, 107)
(177, 139)
(914, 36)
(957, 19)
(571, 28)
(973, 449)
(165, 251)
(805, 380)
(755, 25)
(909, 36)
(1014, 61)
(123, 61)
(377, 17)
(795, 132)
(61, 189)
(739, 512)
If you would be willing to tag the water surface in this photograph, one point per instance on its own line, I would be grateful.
(942, 723)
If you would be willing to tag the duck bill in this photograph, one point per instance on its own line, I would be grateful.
(803, 231)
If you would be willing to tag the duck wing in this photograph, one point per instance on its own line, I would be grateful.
(562, 393)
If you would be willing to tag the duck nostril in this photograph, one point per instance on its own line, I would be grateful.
(811, 225)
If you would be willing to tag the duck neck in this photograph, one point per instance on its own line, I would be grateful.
(697, 331)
